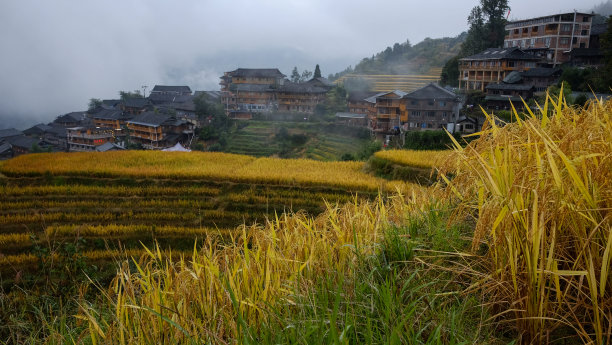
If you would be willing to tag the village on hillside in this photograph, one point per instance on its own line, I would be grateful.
(529, 62)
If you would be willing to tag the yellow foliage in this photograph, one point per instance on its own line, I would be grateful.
(416, 158)
(196, 165)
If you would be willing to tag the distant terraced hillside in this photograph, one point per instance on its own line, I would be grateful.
(403, 66)
(388, 82)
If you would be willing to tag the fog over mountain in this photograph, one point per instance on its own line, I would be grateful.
(56, 55)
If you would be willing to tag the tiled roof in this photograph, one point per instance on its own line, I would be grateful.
(107, 146)
(398, 93)
(351, 115)
(71, 117)
(257, 73)
(37, 129)
(108, 114)
(168, 88)
(9, 132)
(359, 96)
(150, 118)
(431, 91)
(513, 87)
(136, 102)
(22, 141)
(513, 53)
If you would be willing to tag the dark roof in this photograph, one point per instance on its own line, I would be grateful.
(5, 147)
(502, 98)
(9, 132)
(108, 114)
(431, 91)
(136, 102)
(75, 116)
(58, 131)
(167, 88)
(513, 53)
(22, 141)
(541, 72)
(513, 77)
(396, 92)
(252, 87)
(513, 87)
(586, 52)
(257, 73)
(187, 106)
(321, 82)
(359, 96)
(213, 95)
(37, 129)
(351, 115)
(108, 146)
(290, 87)
(159, 98)
(111, 102)
(150, 118)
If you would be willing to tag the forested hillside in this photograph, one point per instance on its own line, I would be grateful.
(404, 58)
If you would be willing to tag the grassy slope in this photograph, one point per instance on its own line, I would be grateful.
(258, 138)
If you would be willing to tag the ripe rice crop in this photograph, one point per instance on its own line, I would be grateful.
(541, 192)
(200, 295)
(12, 240)
(196, 165)
(116, 231)
(416, 158)
(80, 190)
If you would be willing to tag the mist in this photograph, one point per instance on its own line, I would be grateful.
(59, 54)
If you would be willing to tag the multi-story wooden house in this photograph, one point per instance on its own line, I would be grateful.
(551, 37)
(363, 103)
(430, 107)
(247, 90)
(115, 119)
(299, 97)
(88, 138)
(492, 66)
(158, 130)
(390, 111)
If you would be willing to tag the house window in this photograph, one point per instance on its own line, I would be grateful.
(431, 113)
(566, 27)
(429, 125)
(564, 41)
(547, 41)
(430, 103)
(416, 113)
(510, 64)
(585, 19)
(442, 103)
(414, 102)
(584, 32)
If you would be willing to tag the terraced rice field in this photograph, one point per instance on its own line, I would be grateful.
(133, 198)
(258, 139)
(388, 83)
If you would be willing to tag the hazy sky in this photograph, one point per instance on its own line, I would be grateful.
(56, 55)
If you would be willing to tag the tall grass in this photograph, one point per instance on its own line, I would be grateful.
(330, 279)
(540, 191)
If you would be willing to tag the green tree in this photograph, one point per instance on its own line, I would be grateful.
(93, 104)
(450, 72)
(487, 26)
(336, 100)
(306, 75)
(317, 72)
(295, 75)
(127, 94)
(606, 47)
